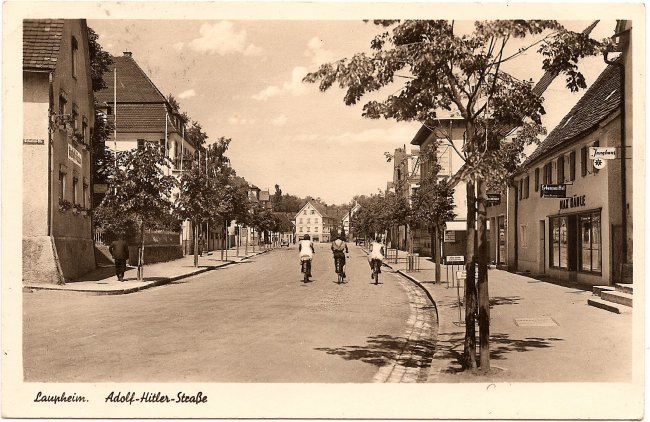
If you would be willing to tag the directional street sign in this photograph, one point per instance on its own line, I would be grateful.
(454, 259)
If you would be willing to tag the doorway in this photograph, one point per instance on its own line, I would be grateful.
(541, 260)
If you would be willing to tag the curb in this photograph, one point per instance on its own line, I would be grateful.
(155, 283)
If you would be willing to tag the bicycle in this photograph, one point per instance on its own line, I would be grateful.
(376, 269)
(305, 263)
(338, 267)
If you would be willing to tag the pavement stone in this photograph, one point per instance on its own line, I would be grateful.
(102, 281)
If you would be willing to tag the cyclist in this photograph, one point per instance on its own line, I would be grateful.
(339, 249)
(306, 250)
(376, 255)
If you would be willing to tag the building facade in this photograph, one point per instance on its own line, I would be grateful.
(579, 237)
(312, 219)
(58, 121)
(345, 221)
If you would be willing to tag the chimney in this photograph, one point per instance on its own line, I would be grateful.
(128, 54)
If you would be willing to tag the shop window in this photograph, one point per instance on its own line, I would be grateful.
(559, 255)
(560, 169)
(537, 179)
(590, 242)
(572, 166)
(583, 161)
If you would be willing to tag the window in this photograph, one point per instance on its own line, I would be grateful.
(308, 220)
(312, 212)
(141, 143)
(590, 244)
(300, 221)
(85, 193)
(521, 188)
(300, 229)
(583, 161)
(548, 173)
(75, 182)
(308, 229)
(558, 245)
(305, 212)
(84, 130)
(560, 169)
(75, 57)
(523, 236)
(537, 179)
(526, 186)
(572, 166)
(315, 220)
(61, 185)
(596, 145)
(75, 118)
(63, 102)
(109, 111)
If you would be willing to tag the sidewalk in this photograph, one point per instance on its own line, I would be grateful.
(539, 331)
(102, 281)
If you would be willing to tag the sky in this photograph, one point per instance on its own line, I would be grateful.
(241, 79)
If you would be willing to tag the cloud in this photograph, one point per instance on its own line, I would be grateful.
(178, 46)
(279, 121)
(238, 120)
(395, 135)
(187, 94)
(294, 86)
(317, 53)
(222, 38)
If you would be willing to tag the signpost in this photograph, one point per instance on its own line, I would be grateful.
(450, 236)
(553, 191)
(454, 260)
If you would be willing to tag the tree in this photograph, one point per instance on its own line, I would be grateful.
(446, 69)
(139, 194)
(433, 203)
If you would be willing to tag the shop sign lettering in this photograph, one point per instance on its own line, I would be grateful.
(74, 155)
(573, 202)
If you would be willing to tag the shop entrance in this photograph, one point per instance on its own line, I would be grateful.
(541, 260)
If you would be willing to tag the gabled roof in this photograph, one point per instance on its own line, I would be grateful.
(264, 195)
(133, 84)
(41, 43)
(601, 99)
(142, 118)
(320, 209)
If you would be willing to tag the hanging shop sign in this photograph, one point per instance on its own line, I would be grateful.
(599, 163)
(573, 202)
(493, 198)
(74, 155)
(605, 153)
(554, 191)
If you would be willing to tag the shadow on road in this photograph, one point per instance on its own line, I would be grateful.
(383, 350)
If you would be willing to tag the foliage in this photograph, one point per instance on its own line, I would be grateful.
(100, 61)
(140, 191)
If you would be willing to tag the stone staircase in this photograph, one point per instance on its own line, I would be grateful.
(617, 299)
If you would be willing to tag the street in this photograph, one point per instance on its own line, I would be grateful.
(251, 322)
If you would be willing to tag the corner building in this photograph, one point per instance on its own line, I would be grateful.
(578, 238)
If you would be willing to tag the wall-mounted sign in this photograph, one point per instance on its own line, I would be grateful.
(573, 202)
(606, 153)
(30, 141)
(450, 236)
(599, 163)
(454, 259)
(493, 198)
(74, 155)
(554, 191)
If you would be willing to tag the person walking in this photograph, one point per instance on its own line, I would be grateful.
(119, 250)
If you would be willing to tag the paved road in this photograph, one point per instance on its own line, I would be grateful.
(251, 322)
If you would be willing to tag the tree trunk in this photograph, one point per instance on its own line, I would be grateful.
(482, 283)
(469, 351)
(196, 245)
(436, 239)
(225, 224)
(141, 254)
(238, 239)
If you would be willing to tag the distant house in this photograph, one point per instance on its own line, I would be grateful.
(313, 219)
(58, 121)
(345, 221)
